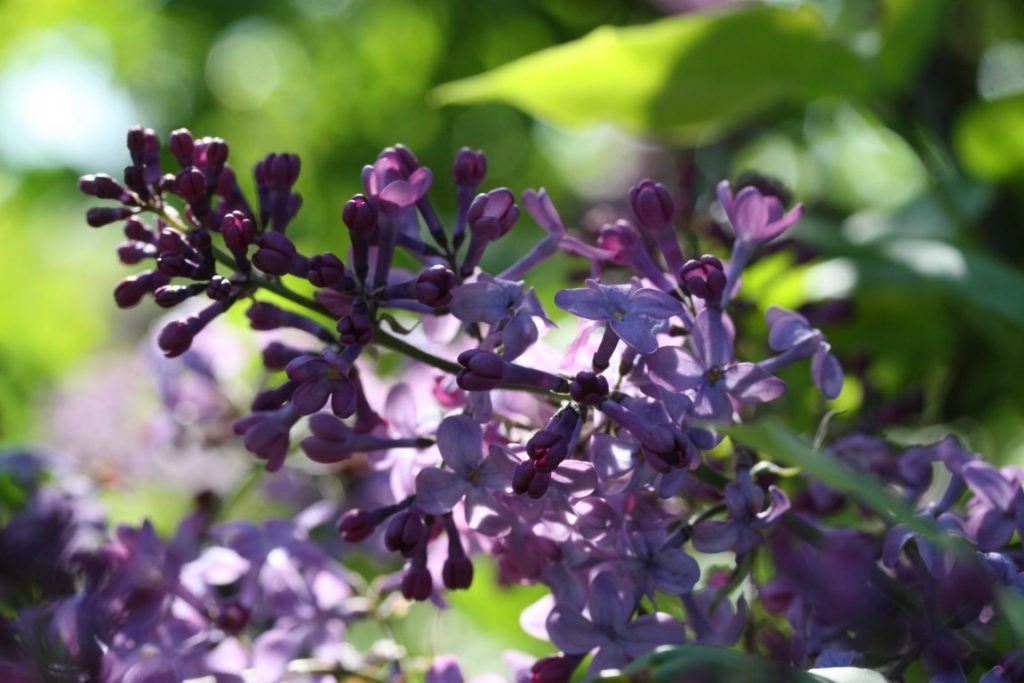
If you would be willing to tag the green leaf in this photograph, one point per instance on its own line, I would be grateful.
(989, 138)
(706, 663)
(1011, 606)
(909, 29)
(683, 77)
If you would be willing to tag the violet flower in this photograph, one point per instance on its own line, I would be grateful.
(742, 533)
(796, 339)
(321, 377)
(632, 313)
(998, 508)
(509, 309)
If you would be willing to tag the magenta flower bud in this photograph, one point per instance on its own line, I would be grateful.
(704, 278)
(181, 145)
(434, 286)
(238, 231)
(99, 216)
(191, 184)
(132, 252)
(359, 215)
(356, 525)
(481, 370)
(470, 167)
(135, 229)
(355, 329)
(326, 270)
(457, 572)
(492, 214)
(130, 291)
(652, 204)
(404, 532)
(275, 254)
(588, 388)
(417, 584)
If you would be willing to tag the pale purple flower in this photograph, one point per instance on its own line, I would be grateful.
(743, 532)
(321, 377)
(793, 335)
(632, 312)
(508, 307)
(998, 507)
(756, 217)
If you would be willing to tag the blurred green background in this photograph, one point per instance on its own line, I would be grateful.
(899, 124)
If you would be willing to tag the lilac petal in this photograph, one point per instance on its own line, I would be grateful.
(610, 602)
(305, 368)
(311, 395)
(479, 302)
(751, 214)
(400, 407)
(827, 374)
(711, 339)
(715, 536)
(585, 303)
(534, 618)
(892, 545)
(991, 530)
(519, 335)
(484, 514)
(610, 657)
(713, 403)
(676, 572)
(571, 633)
(750, 384)
(438, 491)
(989, 484)
(576, 478)
(460, 440)
(343, 397)
(272, 651)
(538, 205)
(444, 669)
(653, 304)
(398, 195)
(779, 506)
(829, 659)
(725, 198)
(650, 631)
(574, 246)
(674, 368)
(779, 226)
(219, 566)
(636, 331)
(612, 458)
(787, 329)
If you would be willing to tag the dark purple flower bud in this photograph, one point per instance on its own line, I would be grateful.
(470, 167)
(175, 265)
(135, 229)
(181, 145)
(219, 288)
(326, 270)
(135, 179)
(356, 525)
(99, 216)
(457, 572)
(434, 286)
(554, 669)
(530, 479)
(359, 215)
(481, 370)
(652, 204)
(588, 388)
(404, 533)
(355, 329)
(264, 315)
(191, 184)
(215, 153)
(272, 399)
(238, 231)
(132, 252)
(543, 443)
(282, 170)
(704, 278)
(492, 214)
(276, 356)
(275, 254)
(131, 290)
(100, 185)
(331, 439)
(417, 584)
(169, 296)
(664, 448)
(176, 338)
(233, 618)
(266, 435)
(137, 144)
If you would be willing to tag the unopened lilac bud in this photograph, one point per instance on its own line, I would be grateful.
(704, 278)
(434, 286)
(555, 669)
(359, 215)
(275, 253)
(99, 216)
(132, 252)
(331, 439)
(417, 584)
(355, 329)
(457, 572)
(276, 356)
(135, 229)
(215, 152)
(282, 170)
(100, 185)
(272, 399)
(238, 231)
(470, 167)
(652, 204)
(664, 448)
(181, 145)
(219, 288)
(326, 270)
(169, 296)
(137, 144)
(130, 291)
(135, 180)
(174, 265)
(481, 370)
(530, 479)
(356, 525)
(176, 338)
(588, 388)
(404, 532)
(492, 214)
(233, 618)
(191, 184)
(543, 442)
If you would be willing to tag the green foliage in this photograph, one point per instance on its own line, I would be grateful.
(685, 78)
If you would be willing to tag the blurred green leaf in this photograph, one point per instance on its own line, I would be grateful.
(1011, 604)
(700, 662)
(910, 29)
(989, 138)
(683, 77)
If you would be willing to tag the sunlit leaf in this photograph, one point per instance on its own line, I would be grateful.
(681, 77)
(989, 138)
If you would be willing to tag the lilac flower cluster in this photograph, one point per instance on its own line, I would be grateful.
(589, 471)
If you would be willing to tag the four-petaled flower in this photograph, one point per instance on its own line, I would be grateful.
(632, 312)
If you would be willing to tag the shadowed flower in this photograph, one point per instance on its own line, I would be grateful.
(632, 312)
